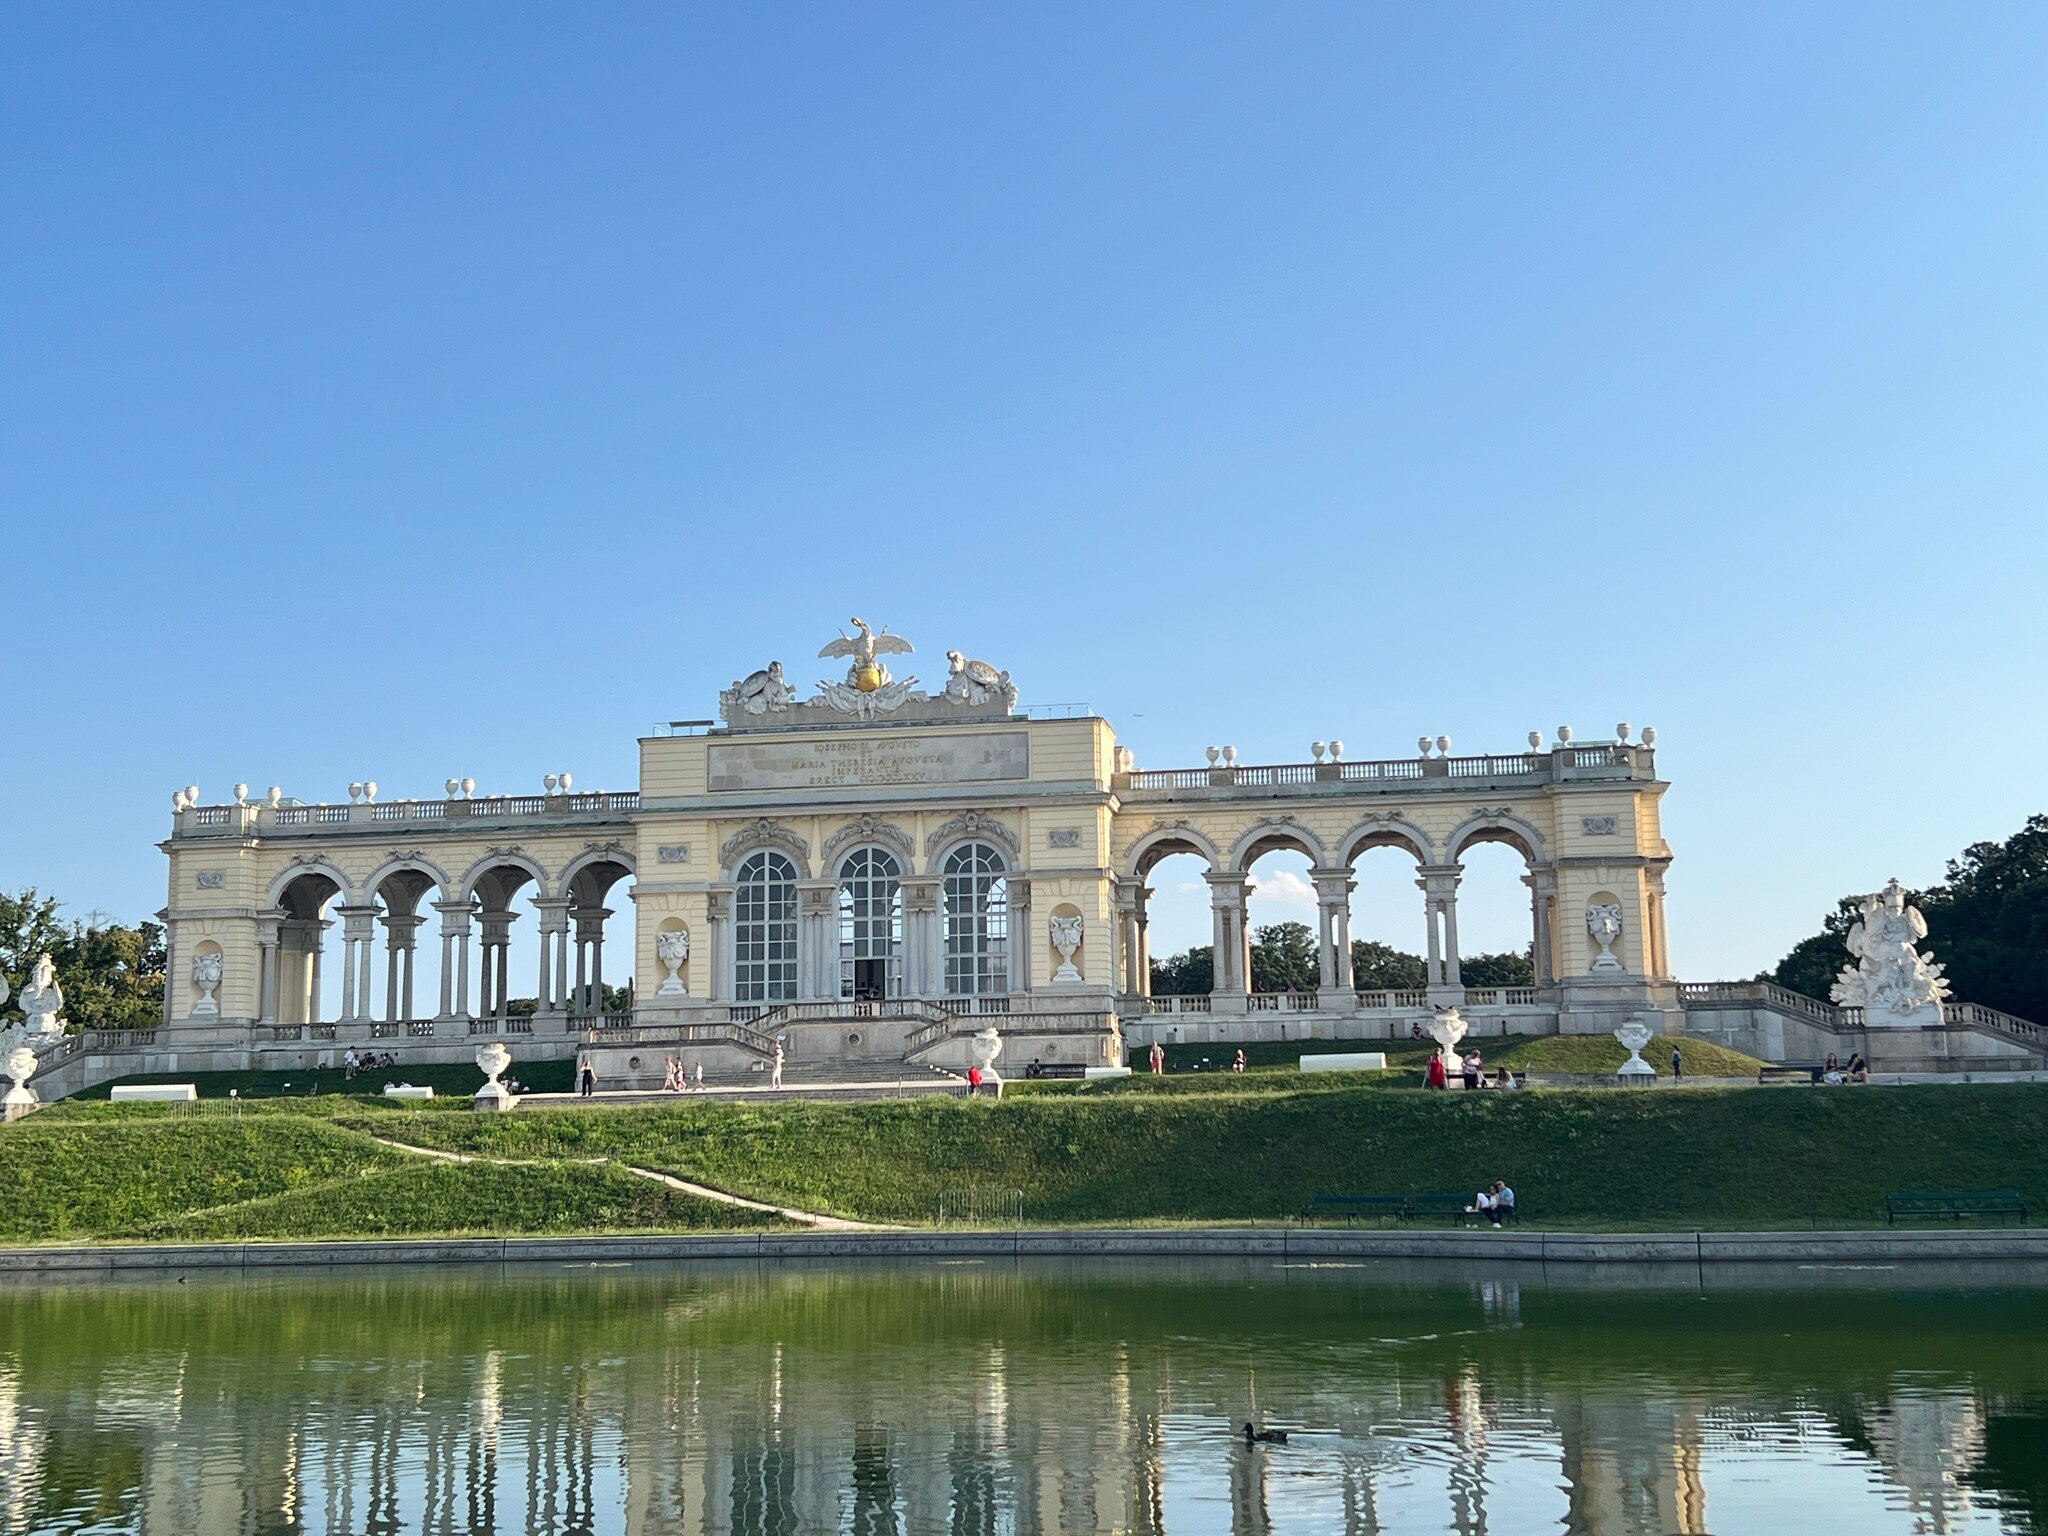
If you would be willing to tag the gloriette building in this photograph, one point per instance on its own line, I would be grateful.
(873, 871)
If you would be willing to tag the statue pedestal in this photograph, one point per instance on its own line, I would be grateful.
(16, 1102)
(1921, 1016)
(493, 1096)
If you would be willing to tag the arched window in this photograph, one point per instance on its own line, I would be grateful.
(870, 926)
(764, 930)
(977, 896)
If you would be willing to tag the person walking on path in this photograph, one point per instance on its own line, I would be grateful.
(1436, 1077)
(775, 1069)
(1677, 1064)
(587, 1080)
(697, 1076)
(1239, 1064)
(974, 1082)
(1157, 1058)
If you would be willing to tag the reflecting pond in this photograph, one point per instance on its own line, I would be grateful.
(1024, 1397)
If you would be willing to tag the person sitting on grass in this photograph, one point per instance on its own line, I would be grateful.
(1503, 1078)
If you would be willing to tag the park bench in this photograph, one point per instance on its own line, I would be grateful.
(1056, 1069)
(1954, 1204)
(1356, 1205)
(1442, 1207)
(1788, 1074)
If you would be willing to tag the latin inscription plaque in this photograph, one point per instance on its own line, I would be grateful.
(829, 764)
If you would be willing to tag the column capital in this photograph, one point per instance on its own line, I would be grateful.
(1332, 885)
(1227, 884)
(1542, 880)
(357, 922)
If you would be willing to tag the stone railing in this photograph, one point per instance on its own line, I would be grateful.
(1393, 999)
(1608, 760)
(1977, 1016)
(260, 820)
(1710, 994)
(1284, 1002)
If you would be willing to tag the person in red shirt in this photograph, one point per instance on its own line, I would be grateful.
(973, 1081)
(1436, 1077)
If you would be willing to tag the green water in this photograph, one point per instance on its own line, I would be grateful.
(999, 1397)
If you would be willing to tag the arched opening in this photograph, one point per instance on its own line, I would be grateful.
(412, 966)
(306, 985)
(870, 925)
(1496, 935)
(1388, 938)
(975, 892)
(511, 943)
(764, 929)
(593, 911)
(1171, 927)
(1282, 923)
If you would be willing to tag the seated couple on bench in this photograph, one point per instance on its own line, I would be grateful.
(1496, 1204)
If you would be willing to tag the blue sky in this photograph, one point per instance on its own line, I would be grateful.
(393, 393)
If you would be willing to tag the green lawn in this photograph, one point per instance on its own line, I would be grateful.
(457, 1079)
(1275, 1065)
(1708, 1158)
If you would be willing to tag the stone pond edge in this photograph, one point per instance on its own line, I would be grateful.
(1844, 1247)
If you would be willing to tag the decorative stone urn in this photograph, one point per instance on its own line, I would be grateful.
(1066, 938)
(1447, 1027)
(985, 1045)
(19, 1099)
(1603, 925)
(672, 949)
(1634, 1035)
(206, 973)
(492, 1058)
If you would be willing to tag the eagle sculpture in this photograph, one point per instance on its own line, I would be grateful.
(866, 672)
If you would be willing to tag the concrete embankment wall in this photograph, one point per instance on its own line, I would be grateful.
(1882, 1246)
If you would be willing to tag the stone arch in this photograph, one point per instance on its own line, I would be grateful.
(971, 827)
(416, 863)
(511, 858)
(1498, 826)
(1269, 833)
(589, 858)
(1386, 832)
(764, 833)
(868, 831)
(344, 887)
(1165, 838)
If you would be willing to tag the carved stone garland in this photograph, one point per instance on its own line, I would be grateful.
(763, 833)
(972, 825)
(869, 829)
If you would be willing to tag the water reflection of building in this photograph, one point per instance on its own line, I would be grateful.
(1928, 1442)
(739, 1427)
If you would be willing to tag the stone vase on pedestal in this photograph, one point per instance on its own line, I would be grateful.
(19, 1099)
(1447, 1027)
(1634, 1035)
(493, 1059)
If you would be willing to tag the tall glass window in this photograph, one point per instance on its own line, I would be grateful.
(870, 925)
(977, 897)
(764, 930)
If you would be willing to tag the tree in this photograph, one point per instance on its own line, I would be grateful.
(1502, 970)
(112, 976)
(1377, 967)
(1987, 923)
(1284, 959)
(1191, 974)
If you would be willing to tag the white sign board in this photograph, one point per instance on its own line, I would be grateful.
(825, 763)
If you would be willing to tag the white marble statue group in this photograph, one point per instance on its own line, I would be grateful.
(42, 1000)
(1891, 981)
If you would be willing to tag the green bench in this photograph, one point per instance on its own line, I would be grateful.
(1788, 1074)
(1953, 1204)
(1356, 1205)
(1402, 1207)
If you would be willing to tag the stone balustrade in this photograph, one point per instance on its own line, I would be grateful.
(255, 819)
(1407, 775)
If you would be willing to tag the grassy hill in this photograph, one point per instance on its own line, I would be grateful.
(1710, 1158)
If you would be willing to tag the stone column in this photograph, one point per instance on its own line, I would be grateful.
(1021, 941)
(400, 936)
(718, 912)
(358, 929)
(1333, 923)
(924, 968)
(268, 936)
(454, 958)
(589, 994)
(1231, 960)
(494, 973)
(1439, 885)
(817, 940)
(1126, 900)
(1542, 885)
(553, 996)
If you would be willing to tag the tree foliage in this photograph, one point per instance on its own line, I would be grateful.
(1284, 959)
(112, 976)
(1987, 923)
